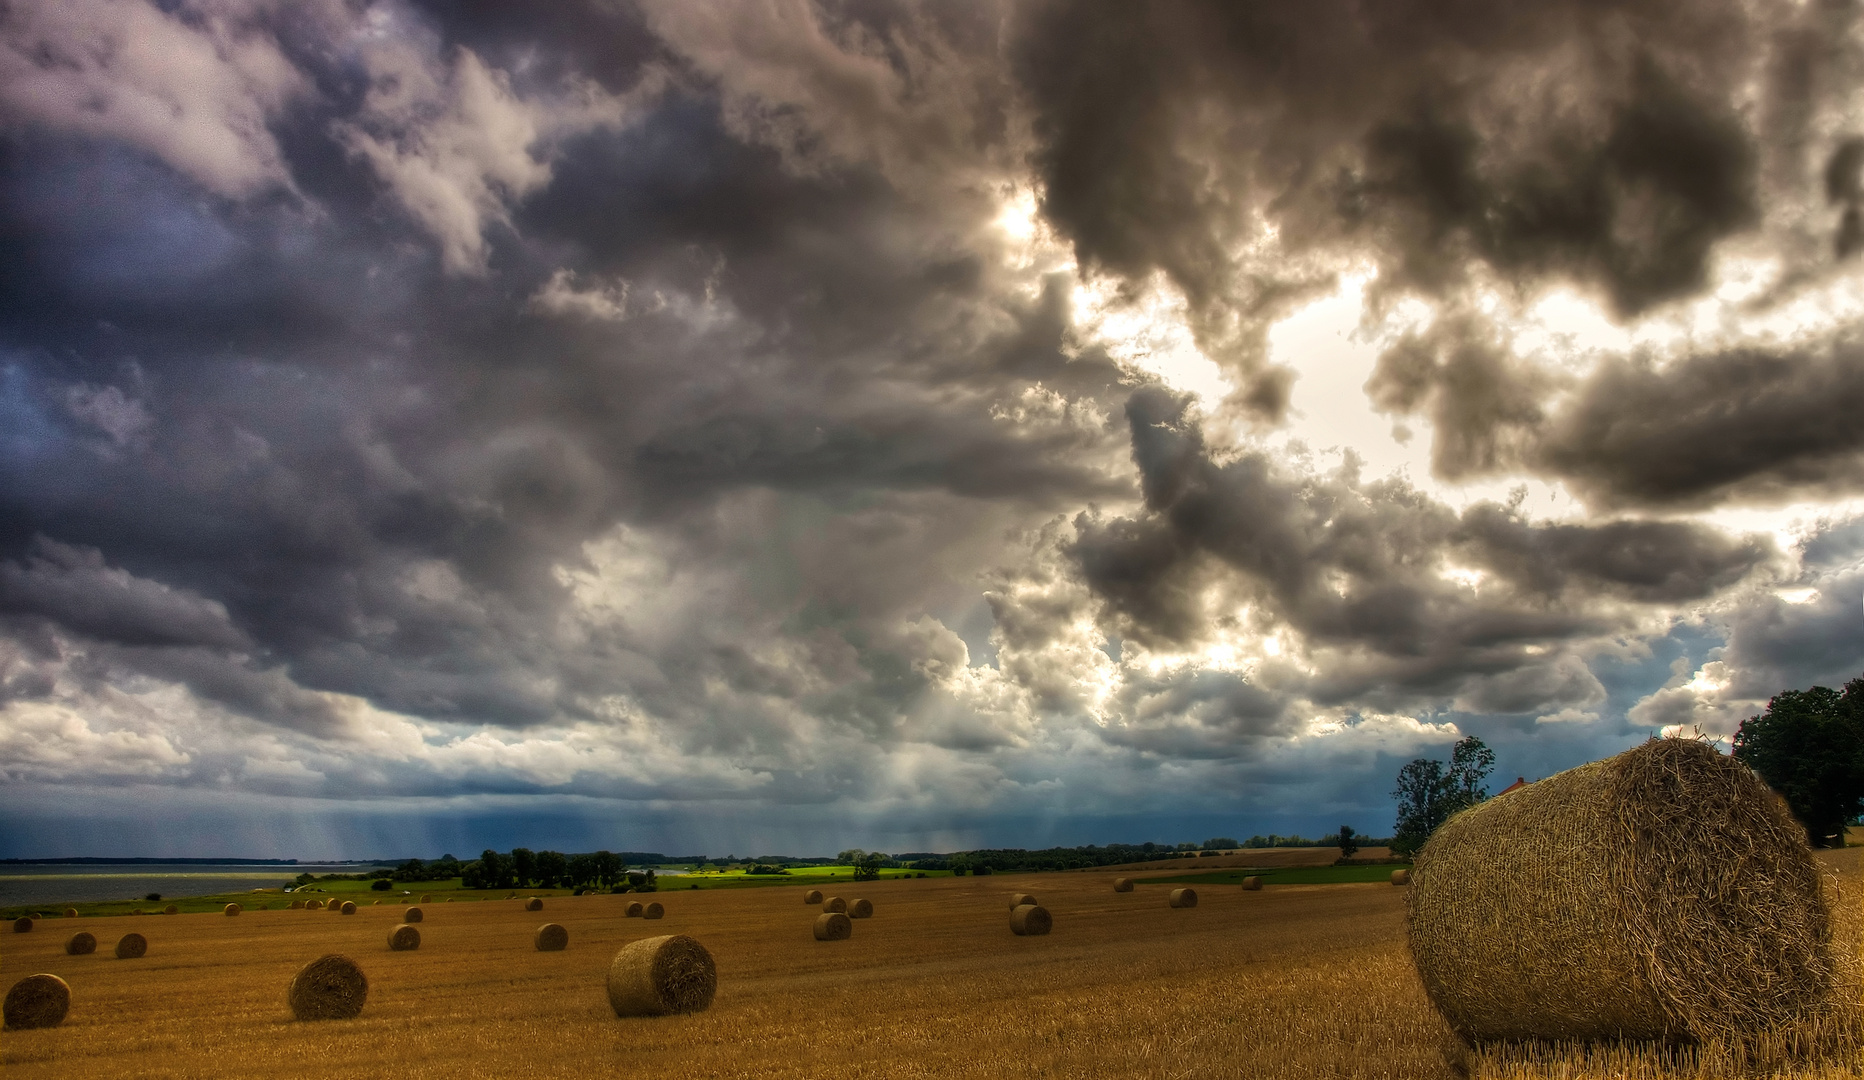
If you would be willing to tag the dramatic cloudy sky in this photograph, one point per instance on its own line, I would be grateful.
(781, 426)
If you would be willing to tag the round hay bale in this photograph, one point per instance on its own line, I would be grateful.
(297, 905)
(22, 925)
(1184, 898)
(551, 937)
(81, 944)
(404, 938)
(1018, 899)
(37, 1001)
(333, 904)
(1122, 884)
(653, 910)
(812, 897)
(861, 909)
(1030, 920)
(172, 909)
(328, 988)
(1401, 877)
(71, 913)
(833, 926)
(375, 903)
(661, 975)
(449, 899)
(1664, 893)
(313, 905)
(348, 908)
(231, 909)
(1252, 884)
(534, 904)
(412, 915)
(137, 911)
(635, 907)
(835, 903)
(427, 898)
(132, 947)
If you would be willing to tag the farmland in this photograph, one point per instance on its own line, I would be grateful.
(1295, 980)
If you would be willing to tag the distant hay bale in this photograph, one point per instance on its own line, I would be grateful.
(813, 896)
(427, 898)
(297, 905)
(413, 914)
(313, 905)
(37, 1001)
(534, 904)
(833, 926)
(551, 937)
(659, 976)
(1018, 899)
(22, 925)
(635, 907)
(1401, 877)
(172, 909)
(71, 913)
(81, 944)
(231, 909)
(835, 903)
(136, 911)
(375, 903)
(861, 909)
(1184, 898)
(653, 910)
(348, 908)
(1030, 920)
(404, 938)
(328, 988)
(1122, 884)
(132, 947)
(333, 904)
(1664, 893)
(1252, 884)
(449, 899)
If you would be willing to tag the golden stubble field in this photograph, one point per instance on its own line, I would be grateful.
(1292, 981)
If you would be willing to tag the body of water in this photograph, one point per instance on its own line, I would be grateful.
(23, 884)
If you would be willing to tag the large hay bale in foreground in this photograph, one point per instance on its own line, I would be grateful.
(132, 947)
(231, 909)
(1664, 893)
(634, 909)
(1401, 877)
(22, 925)
(1122, 884)
(1184, 898)
(534, 904)
(413, 914)
(404, 938)
(1018, 899)
(551, 937)
(37, 1001)
(1030, 920)
(661, 975)
(835, 903)
(82, 943)
(653, 910)
(328, 988)
(833, 926)
(812, 897)
(1252, 884)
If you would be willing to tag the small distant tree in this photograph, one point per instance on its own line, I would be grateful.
(1348, 844)
(867, 865)
(1220, 843)
(850, 856)
(523, 866)
(1809, 747)
(552, 869)
(381, 884)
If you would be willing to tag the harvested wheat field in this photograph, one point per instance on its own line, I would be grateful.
(1287, 981)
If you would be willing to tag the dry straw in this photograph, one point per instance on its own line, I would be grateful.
(132, 947)
(37, 1001)
(1030, 920)
(861, 909)
(413, 914)
(231, 909)
(551, 937)
(348, 908)
(81, 944)
(333, 904)
(635, 907)
(835, 903)
(328, 988)
(1401, 877)
(1018, 899)
(1252, 884)
(813, 896)
(661, 975)
(534, 904)
(1184, 898)
(172, 909)
(297, 905)
(22, 925)
(313, 905)
(427, 898)
(404, 938)
(1122, 884)
(1663, 893)
(653, 911)
(833, 926)
(71, 913)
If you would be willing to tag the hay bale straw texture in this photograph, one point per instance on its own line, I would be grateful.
(348, 908)
(635, 907)
(404, 938)
(835, 903)
(534, 904)
(653, 910)
(662, 975)
(1661, 893)
(861, 909)
(132, 947)
(413, 914)
(313, 905)
(812, 897)
(1401, 877)
(1184, 898)
(82, 943)
(328, 988)
(37, 1001)
(232, 909)
(551, 937)
(427, 898)
(71, 913)
(833, 926)
(1018, 899)
(22, 925)
(1030, 920)
(1252, 884)
(1122, 884)
(297, 905)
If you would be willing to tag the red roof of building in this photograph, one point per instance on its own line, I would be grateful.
(1520, 782)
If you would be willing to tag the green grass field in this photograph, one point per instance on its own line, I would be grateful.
(1295, 875)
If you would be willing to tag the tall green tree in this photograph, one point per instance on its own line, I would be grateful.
(1429, 791)
(1809, 747)
(1349, 842)
(523, 866)
(552, 869)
